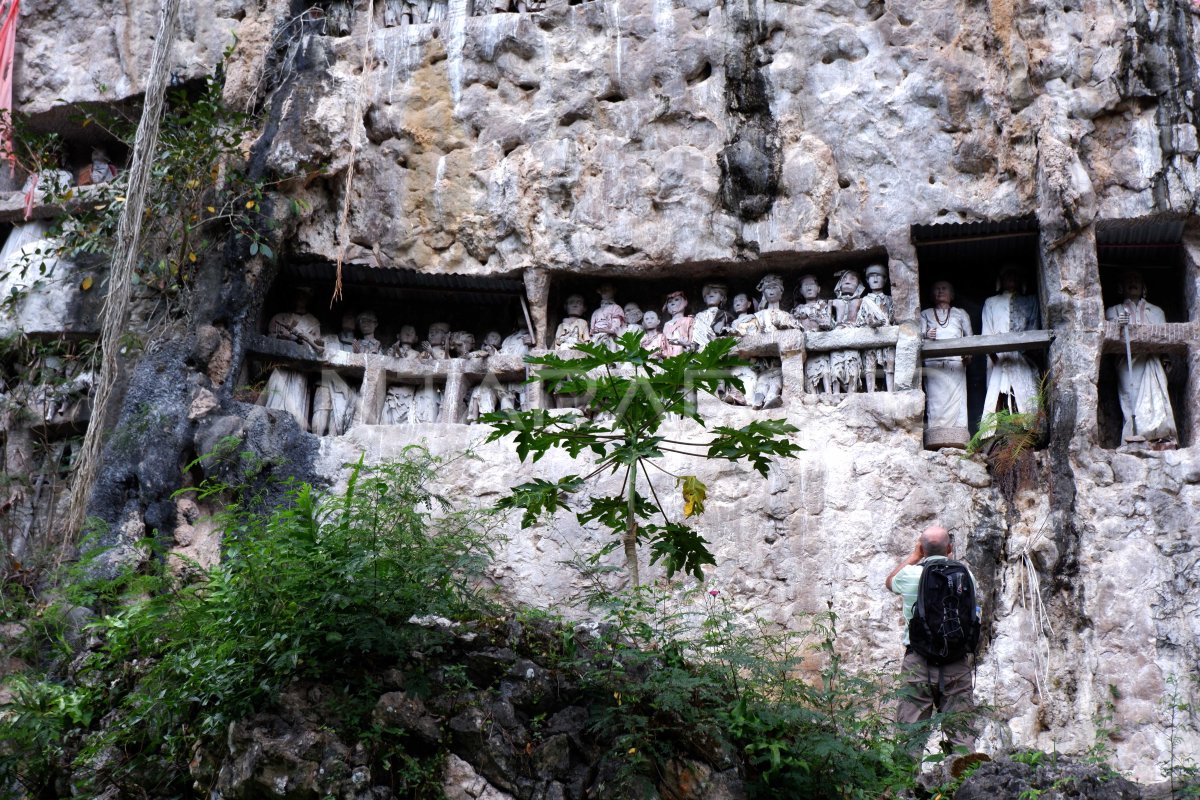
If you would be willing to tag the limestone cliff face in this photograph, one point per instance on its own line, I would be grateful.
(672, 137)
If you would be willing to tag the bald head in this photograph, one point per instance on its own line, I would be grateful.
(935, 541)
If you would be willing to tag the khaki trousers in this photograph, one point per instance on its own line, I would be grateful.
(946, 689)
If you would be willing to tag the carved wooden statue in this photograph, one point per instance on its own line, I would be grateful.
(745, 322)
(287, 389)
(398, 405)
(574, 328)
(368, 323)
(633, 319)
(1142, 380)
(608, 320)
(845, 366)
(771, 316)
(945, 378)
(653, 340)
(406, 344)
(435, 346)
(714, 321)
(677, 333)
(876, 310)
(1012, 377)
(517, 343)
(813, 314)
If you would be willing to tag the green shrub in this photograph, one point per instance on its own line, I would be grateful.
(673, 683)
(321, 587)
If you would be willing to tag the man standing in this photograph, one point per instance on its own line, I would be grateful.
(931, 681)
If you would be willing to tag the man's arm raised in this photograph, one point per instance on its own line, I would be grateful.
(914, 557)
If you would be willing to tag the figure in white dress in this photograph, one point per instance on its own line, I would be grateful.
(335, 402)
(287, 389)
(427, 402)
(1012, 378)
(1142, 382)
(945, 378)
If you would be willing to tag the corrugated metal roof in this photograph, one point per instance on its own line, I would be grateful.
(1148, 243)
(406, 286)
(975, 231)
(969, 254)
(1150, 230)
(404, 278)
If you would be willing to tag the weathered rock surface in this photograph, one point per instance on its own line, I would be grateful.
(515, 731)
(1051, 780)
(640, 138)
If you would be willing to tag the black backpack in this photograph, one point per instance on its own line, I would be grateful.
(945, 624)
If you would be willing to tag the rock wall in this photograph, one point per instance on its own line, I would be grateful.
(687, 139)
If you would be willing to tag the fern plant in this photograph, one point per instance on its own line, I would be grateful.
(1006, 441)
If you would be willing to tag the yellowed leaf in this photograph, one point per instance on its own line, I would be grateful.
(86, 283)
(694, 495)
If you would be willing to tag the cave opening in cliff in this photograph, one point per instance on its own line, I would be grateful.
(400, 298)
(970, 256)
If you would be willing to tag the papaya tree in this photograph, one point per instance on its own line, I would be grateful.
(625, 395)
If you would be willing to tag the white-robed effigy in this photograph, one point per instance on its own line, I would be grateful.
(1143, 389)
(1011, 373)
(945, 381)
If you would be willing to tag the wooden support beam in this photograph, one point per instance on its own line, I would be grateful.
(996, 343)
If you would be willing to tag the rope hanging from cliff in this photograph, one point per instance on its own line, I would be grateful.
(115, 313)
(356, 112)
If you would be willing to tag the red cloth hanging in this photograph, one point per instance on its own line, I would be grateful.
(8, 47)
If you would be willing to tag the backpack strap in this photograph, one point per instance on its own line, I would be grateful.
(920, 604)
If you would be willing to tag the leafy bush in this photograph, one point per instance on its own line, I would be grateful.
(320, 588)
(675, 683)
